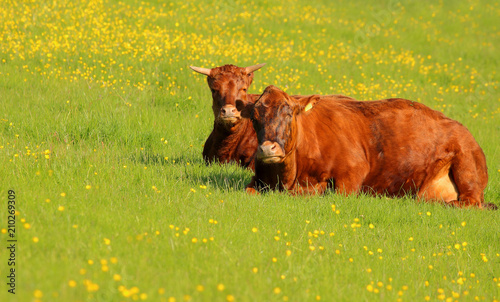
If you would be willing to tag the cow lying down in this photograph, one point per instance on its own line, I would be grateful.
(233, 138)
(394, 147)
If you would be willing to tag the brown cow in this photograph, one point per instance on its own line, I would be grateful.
(393, 147)
(233, 137)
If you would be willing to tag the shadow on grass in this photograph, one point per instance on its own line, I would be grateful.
(149, 158)
(231, 177)
(225, 177)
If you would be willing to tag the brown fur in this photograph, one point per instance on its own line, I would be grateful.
(233, 138)
(231, 141)
(394, 147)
(232, 144)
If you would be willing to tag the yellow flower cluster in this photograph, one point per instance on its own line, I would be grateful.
(96, 41)
(121, 47)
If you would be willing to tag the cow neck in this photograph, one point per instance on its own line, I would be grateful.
(288, 171)
(300, 143)
(234, 135)
(288, 168)
(301, 137)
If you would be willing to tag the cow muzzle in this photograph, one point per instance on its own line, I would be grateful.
(270, 152)
(229, 114)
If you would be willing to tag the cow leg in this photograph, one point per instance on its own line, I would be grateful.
(348, 185)
(470, 177)
(352, 182)
(318, 188)
(458, 181)
(251, 188)
(209, 155)
(439, 185)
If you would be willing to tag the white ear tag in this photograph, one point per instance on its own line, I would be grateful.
(308, 107)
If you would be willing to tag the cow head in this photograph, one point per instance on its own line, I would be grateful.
(274, 118)
(229, 85)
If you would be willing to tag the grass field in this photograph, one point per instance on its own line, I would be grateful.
(101, 131)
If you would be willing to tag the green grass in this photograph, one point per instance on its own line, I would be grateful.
(124, 121)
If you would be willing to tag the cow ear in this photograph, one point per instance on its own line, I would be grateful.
(307, 103)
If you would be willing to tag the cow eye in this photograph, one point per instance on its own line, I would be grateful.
(213, 90)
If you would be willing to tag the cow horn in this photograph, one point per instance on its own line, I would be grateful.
(204, 71)
(253, 68)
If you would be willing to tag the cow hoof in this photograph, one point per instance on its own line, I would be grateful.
(490, 206)
(251, 191)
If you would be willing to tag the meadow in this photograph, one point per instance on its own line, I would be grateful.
(102, 126)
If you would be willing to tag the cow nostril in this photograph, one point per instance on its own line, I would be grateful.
(228, 111)
(273, 147)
